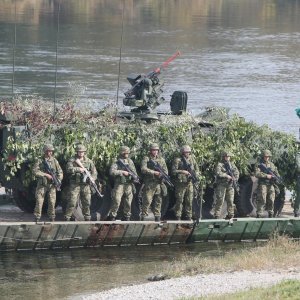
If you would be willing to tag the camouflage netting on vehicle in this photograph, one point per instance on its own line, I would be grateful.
(103, 135)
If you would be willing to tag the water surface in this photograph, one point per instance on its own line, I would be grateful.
(242, 54)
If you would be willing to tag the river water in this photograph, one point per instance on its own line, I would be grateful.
(241, 54)
(63, 274)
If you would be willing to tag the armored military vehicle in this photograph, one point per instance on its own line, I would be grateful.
(143, 97)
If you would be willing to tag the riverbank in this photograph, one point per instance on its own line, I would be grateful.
(264, 265)
(197, 286)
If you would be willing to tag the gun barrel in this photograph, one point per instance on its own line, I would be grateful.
(170, 59)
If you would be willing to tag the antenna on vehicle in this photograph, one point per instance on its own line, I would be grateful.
(56, 59)
(14, 50)
(120, 59)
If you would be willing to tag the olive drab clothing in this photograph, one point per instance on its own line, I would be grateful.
(184, 188)
(79, 189)
(154, 188)
(45, 185)
(123, 187)
(265, 189)
(224, 189)
(297, 200)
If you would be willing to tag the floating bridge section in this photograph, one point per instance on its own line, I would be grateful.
(16, 236)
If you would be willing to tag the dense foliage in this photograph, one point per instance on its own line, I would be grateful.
(103, 134)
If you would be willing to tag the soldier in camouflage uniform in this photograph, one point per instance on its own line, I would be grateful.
(154, 188)
(266, 188)
(224, 185)
(123, 184)
(80, 189)
(184, 188)
(297, 200)
(45, 183)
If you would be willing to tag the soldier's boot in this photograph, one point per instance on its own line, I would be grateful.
(296, 215)
(127, 218)
(228, 217)
(142, 218)
(52, 219)
(178, 218)
(188, 218)
(111, 218)
(87, 218)
(157, 218)
(216, 217)
(37, 219)
(67, 219)
(270, 214)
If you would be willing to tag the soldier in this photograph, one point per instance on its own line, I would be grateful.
(184, 188)
(297, 200)
(46, 182)
(224, 185)
(154, 188)
(123, 184)
(266, 188)
(76, 168)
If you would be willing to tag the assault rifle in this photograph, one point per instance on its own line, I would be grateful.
(125, 167)
(269, 171)
(188, 167)
(51, 172)
(164, 176)
(87, 176)
(234, 181)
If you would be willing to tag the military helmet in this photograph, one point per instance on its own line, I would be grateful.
(267, 153)
(80, 148)
(186, 148)
(154, 146)
(227, 153)
(48, 147)
(124, 149)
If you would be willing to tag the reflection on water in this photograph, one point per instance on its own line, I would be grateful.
(55, 275)
(239, 54)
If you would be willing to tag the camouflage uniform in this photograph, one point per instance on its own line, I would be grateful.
(154, 188)
(224, 188)
(265, 189)
(45, 185)
(79, 188)
(297, 200)
(184, 188)
(123, 185)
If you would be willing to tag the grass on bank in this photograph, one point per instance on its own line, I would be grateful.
(286, 290)
(279, 252)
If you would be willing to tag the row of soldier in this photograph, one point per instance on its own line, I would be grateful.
(184, 174)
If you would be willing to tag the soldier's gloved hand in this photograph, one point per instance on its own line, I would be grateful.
(82, 170)
(187, 173)
(269, 176)
(229, 177)
(156, 173)
(125, 173)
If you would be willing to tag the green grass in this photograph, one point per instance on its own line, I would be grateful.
(278, 253)
(286, 290)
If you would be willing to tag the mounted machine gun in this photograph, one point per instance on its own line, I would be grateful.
(145, 94)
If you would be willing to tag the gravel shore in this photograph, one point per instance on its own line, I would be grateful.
(199, 285)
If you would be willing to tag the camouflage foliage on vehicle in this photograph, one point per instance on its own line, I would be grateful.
(103, 135)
